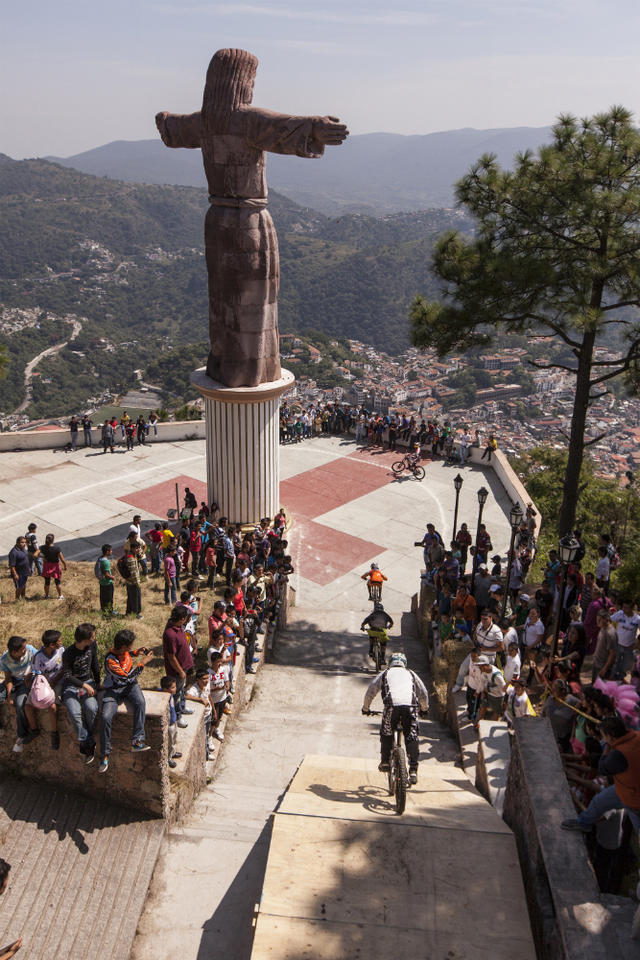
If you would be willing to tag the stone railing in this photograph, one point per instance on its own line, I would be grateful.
(568, 918)
(172, 431)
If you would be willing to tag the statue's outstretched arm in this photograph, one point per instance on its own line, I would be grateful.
(180, 130)
(284, 133)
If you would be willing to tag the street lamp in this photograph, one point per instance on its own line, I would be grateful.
(515, 519)
(457, 482)
(568, 547)
(483, 494)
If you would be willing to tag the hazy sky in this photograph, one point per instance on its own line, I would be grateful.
(75, 74)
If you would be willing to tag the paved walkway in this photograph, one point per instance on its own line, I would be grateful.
(347, 506)
(80, 873)
(210, 872)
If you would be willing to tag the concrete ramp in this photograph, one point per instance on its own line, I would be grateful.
(347, 879)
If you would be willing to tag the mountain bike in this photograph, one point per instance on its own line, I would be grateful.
(406, 464)
(375, 589)
(398, 775)
(379, 647)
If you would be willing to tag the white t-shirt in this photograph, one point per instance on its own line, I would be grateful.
(489, 638)
(533, 633)
(195, 691)
(603, 569)
(517, 705)
(627, 627)
(219, 679)
(511, 636)
(512, 667)
(477, 680)
(48, 666)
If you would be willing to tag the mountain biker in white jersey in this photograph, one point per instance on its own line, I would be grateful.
(377, 624)
(402, 692)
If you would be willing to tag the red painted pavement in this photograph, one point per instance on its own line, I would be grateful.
(162, 496)
(324, 488)
(323, 554)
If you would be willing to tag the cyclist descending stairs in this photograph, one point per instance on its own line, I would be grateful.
(374, 578)
(377, 624)
(402, 693)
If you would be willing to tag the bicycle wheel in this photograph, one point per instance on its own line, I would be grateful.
(392, 774)
(379, 655)
(399, 764)
(398, 467)
(419, 473)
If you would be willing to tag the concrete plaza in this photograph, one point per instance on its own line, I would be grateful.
(347, 507)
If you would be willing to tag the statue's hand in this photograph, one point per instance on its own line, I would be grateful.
(161, 124)
(329, 131)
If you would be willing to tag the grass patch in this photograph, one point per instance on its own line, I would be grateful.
(31, 617)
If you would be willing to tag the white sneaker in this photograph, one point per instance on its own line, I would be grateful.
(18, 746)
(211, 745)
(456, 688)
(218, 734)
(61, 597)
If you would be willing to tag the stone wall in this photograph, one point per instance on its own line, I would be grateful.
(139, 781)
(57, 439)
(568, 920)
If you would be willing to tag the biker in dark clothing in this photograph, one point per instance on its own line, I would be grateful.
(377, 624)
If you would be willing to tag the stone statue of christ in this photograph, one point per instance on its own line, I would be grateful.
(240, 239)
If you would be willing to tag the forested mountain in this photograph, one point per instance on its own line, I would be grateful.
(374, 173)
(127, 259)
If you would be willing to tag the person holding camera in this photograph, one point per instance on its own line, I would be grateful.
(121, 686)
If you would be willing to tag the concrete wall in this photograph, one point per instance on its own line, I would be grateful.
(568, 920)
(57, 439)
(139, 780)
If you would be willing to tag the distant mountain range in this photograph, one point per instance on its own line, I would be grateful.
(374, 173)
(128, 259)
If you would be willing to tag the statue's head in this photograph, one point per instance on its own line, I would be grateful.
(230, 80)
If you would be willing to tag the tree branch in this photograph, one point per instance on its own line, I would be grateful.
(597, 439)
(551, 366)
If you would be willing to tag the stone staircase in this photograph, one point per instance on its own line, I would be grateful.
(80, 872)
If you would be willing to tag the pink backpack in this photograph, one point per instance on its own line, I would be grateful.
(41, 695)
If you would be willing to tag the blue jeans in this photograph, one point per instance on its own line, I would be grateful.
(170, 588)
(82, 713)
(135, 699)
(602, 802)
(20, 694)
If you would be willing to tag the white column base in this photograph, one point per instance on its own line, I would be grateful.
(243, 436)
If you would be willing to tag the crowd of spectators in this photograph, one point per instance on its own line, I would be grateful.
(570, 655)
(125, 430)
(452, 441)
(246, 567)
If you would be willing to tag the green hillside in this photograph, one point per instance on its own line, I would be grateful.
(127, 259)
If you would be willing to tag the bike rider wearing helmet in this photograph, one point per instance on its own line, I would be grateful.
(402, 692)
(373, 576)
(377, 624)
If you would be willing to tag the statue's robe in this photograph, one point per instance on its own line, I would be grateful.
(240, 238)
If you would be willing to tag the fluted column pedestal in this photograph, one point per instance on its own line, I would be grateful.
(243, 433)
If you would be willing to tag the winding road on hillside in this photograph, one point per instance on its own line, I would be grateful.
(31, 366)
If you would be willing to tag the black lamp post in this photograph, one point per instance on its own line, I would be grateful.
(457, 482)
(568, 547)
(515, 519)
(483, 494)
